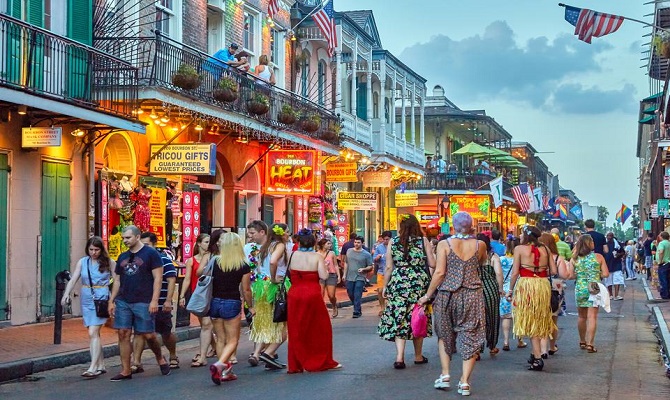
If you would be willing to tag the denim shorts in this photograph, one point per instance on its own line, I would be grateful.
(224, 308)
(135, 316)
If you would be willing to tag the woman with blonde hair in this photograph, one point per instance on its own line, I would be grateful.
(228, 270)
(531, 292)
(586, 267)
(264, 71)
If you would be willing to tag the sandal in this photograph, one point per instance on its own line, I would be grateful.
(174, 363)
(506, 347)
(91, 374)
(494, 351)
(200, 363)
(552, 352)
(424, 360)
(211, 353)
(582, 345)
(442, 382)
(521, 345)
(136, 369)
(591, 349)
(463, 388)
(196, 358)
(253, 360)
(336, 312)
(399, 365)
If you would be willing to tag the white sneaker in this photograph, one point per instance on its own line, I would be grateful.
(442, 382)
(618, 298)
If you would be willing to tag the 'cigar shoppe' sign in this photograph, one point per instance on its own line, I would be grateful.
(290, 172)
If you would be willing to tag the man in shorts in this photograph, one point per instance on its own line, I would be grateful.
(164, 315)
(134, 299)
(380, 265)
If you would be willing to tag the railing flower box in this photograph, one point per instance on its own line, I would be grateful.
(186, 77)
(311, 123)
(258, 104)
(288, 115)
(227, 90)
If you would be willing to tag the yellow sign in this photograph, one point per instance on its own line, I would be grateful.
(393, 218)
(342, 172)
(357, 201)
(157, 212)
(406, 199)
(41, 137)
(183, 159)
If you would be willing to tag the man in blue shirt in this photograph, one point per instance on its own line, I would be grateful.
(496, 246)
(223, 58)
(380, 265)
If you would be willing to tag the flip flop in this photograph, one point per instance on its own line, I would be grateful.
(174, 363)
(196, 358)
(91, 374)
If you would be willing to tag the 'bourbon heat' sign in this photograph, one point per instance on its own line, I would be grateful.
(290, 172)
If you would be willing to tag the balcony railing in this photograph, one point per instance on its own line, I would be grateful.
(37, 61)
(441, 182)
(159, 58)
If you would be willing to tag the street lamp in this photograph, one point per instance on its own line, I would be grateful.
(445, 204)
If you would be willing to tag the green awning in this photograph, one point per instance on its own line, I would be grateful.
(651, 110)
(653, 97)
(647, 120)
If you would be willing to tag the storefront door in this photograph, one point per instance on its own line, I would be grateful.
(241, 211)
(4, 196)
(55, 230)
(268, 210)
(290, 218)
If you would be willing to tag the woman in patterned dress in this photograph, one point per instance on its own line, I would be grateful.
(586, 267)
(492, 281)
(459, 302)
(407, 279)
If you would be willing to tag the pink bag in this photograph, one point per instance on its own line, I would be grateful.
(419, 322)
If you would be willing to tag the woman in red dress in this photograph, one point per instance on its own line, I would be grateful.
(310, 335)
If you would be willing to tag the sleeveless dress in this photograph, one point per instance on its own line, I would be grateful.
(459, 306)
(587, 270)
(310, 345)
(491, 303)
(505, 305)
(100, 287)
(409, 281)
(532, 303)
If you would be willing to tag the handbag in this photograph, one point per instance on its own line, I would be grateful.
(201, 297)
(280, 310)
(594, 288)
(101, 305)
(555, 295)
(419, 322)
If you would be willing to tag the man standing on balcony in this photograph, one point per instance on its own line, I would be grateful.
(225, 58)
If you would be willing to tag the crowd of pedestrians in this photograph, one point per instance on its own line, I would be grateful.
(465, 289)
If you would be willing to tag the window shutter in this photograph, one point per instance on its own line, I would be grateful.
(80, 21)
(35, 12)
(14, 8)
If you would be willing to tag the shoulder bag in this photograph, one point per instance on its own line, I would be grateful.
(201, 298)
(555, 294)
(426, 266)
(280, 310)
(101, 305)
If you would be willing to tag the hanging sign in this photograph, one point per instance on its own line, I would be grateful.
(475, 205)
(342, 172)
(357, 201)
(41, 137)
(183, 159)
(406, 199)
(666, 186)
(157, 212)
(290, 172)
(377, 179)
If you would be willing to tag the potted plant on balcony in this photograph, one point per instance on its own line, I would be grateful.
(258, 104)
(186, 77)
(288, 115)
(226, 90)
(661, 43)
(332, 132)
(311, 123)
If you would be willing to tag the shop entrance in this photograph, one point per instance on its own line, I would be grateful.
(4, 196)
(268, 210)
(55, 228)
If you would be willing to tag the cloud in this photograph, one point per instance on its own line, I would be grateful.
(494, 65)
(574, 98)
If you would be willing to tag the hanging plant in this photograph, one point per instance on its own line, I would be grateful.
(258, 104)
(288, 115)
(311, 123)
(227, 90)
(661, 44)
(332, 132)
(186, 77)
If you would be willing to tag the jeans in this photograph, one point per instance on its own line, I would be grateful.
(355, 292)
(663, 277)
(630, 271)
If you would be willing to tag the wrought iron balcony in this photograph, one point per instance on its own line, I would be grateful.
(177, 67)
(45, 64)
(444, 182)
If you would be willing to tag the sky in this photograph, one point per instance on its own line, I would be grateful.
(520, 61)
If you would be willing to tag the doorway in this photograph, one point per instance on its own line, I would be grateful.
(4, 197)
(55, 229)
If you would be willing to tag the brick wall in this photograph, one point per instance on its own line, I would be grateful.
(194, 23)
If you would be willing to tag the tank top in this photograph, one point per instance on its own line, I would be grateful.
(265, 74)
(329, 265)
(194, 275)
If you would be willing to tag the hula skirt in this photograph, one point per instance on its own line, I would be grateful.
(532, 308)
(263, 329)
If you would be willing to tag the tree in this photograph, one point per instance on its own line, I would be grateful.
(603, 213)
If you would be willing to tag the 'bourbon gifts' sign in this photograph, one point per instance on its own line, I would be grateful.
(290, 172)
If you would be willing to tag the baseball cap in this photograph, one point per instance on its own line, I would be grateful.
(234, 46)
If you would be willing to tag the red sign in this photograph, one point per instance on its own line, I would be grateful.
(188, 250)
(290, 172)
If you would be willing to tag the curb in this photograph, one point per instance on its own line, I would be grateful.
(662, 327)
(18, 369)
(21, 368)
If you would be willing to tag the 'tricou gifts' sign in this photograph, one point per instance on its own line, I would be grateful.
(290, 172)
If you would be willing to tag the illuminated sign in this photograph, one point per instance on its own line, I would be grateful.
(41, 137)
(406, 199)
(377, 179)
(290, 172)
(476, 205)
(357, 201)
(342, 172)
(183, 159)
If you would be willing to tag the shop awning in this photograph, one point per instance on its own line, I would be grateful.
(647, 120)
(651, 110)
(653, 97)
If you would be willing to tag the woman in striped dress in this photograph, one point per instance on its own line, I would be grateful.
(492, 283)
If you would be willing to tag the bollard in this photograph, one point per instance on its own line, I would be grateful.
(62, 279)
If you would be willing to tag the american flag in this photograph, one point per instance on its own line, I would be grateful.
(545, 202)
(589, 23)
(273, 8)
(521, 194)
(325, 20)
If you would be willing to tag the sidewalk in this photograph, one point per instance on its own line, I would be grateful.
(660, 310)
(29, 349)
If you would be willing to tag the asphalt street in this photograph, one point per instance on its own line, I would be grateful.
(625, 367)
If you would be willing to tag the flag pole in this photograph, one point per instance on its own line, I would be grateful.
(634, 20)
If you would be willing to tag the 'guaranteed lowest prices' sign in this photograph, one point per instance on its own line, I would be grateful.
(183, 159)
(357, 201)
